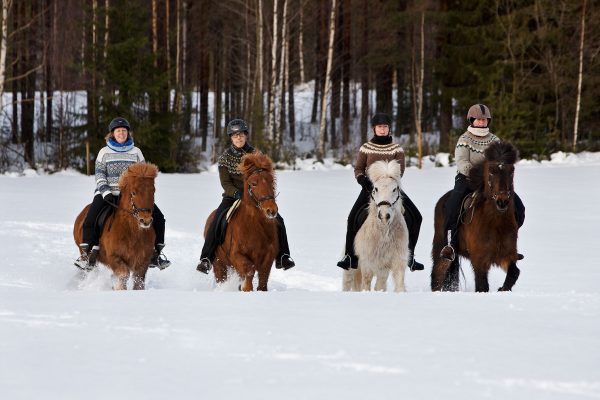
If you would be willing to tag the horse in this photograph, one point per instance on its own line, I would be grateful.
(381, 243)
(488, 233)
(250, 244)
(127, 240)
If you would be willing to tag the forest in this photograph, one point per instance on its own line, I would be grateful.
(178, 70)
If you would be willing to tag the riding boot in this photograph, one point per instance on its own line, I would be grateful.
(284, 262)
(87, 260)
(159, 260)
(204, 265)
(413, 264)
(349, 261)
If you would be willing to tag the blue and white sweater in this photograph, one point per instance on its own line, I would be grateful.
(111, 162)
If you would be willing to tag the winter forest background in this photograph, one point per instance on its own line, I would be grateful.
(67, 67)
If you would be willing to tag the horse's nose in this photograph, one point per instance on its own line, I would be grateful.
(271, 213)
(145, 222)
(384, 216)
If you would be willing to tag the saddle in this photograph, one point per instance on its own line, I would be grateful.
(223, 221)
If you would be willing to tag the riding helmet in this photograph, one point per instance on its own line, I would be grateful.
(381, 119)
(118, 122)
(479, 111)
(236, 125)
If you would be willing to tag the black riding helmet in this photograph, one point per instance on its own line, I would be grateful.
(118, 122)
(237, 125)
(381, 119)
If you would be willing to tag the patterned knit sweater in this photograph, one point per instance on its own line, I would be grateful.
(469, 150)
(110, 164)
(376, 149)
(231, 178)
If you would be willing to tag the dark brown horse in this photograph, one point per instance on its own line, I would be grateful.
(251, 243)
(127, 241)
(488, 233)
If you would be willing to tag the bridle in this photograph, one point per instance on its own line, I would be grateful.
(260, 200)
(385, 202)
(506, 193)
(135, 211)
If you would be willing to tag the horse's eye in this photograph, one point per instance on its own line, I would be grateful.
(133, 193)
(254, 184)
(376, 189)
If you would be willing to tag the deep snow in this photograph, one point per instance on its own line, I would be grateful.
(64, 336)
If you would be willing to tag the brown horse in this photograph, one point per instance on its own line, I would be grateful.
(127, 240)
(251, 243)
(488, 233)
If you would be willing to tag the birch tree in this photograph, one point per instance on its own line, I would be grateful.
(580, 76)
(3, 47)
(321, 150)
(418, 73)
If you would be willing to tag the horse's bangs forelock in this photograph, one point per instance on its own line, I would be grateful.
(254, 161)
(502, 152)
(139, 170)
(381, 169)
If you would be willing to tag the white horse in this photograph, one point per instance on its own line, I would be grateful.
(381, 244)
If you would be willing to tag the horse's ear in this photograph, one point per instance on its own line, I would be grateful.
(245, 165)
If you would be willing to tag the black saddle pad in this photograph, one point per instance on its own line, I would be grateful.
(103, 215)
(223, 220)
(361, 217)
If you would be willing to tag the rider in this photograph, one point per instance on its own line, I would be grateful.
(111, 162)
(380, 147)
(469, 151)
(233, 186)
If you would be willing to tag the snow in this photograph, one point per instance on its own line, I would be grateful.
(68, 336)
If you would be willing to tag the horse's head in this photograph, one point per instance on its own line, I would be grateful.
(137, 192)
(385, 176)
(259, 183)
(494, 177)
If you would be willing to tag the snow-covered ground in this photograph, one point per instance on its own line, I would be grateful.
(64, 336)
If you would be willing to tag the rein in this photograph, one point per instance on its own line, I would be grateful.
(260, 200)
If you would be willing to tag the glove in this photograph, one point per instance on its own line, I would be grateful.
(237, 195)
(110, 198)
(365, 182)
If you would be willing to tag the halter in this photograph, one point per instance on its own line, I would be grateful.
(258, 201)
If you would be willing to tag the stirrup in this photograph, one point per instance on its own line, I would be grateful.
(87, 260)
(159, 260)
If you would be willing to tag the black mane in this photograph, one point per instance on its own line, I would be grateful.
(500, 152)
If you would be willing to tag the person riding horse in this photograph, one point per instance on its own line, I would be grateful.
(233, 186)
(469, 151)
(111, 162)
(380, 147)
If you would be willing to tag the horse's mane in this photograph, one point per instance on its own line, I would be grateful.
(498, 152)
(384, 169)
(139, 170)
(253, 161)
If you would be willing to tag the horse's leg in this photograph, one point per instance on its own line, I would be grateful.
(381, 281)
(220, 270)
(481, 277)
(452, 281)
(438, 273)
(357, 276)
(139, 279)
(398, 275)
(247, 283)
(263, 277)
(367, 277)
(121, 273)
(512, 274)
(347, 280)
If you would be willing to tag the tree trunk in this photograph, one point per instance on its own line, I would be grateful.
(346, 60)
(364, 76)
(321, 150)
(301, 43)
(3, 47)
(580, 76)
(271, 124)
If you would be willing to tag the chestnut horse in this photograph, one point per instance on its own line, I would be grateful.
(488, 233)
(251, 243)
(127, 240)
